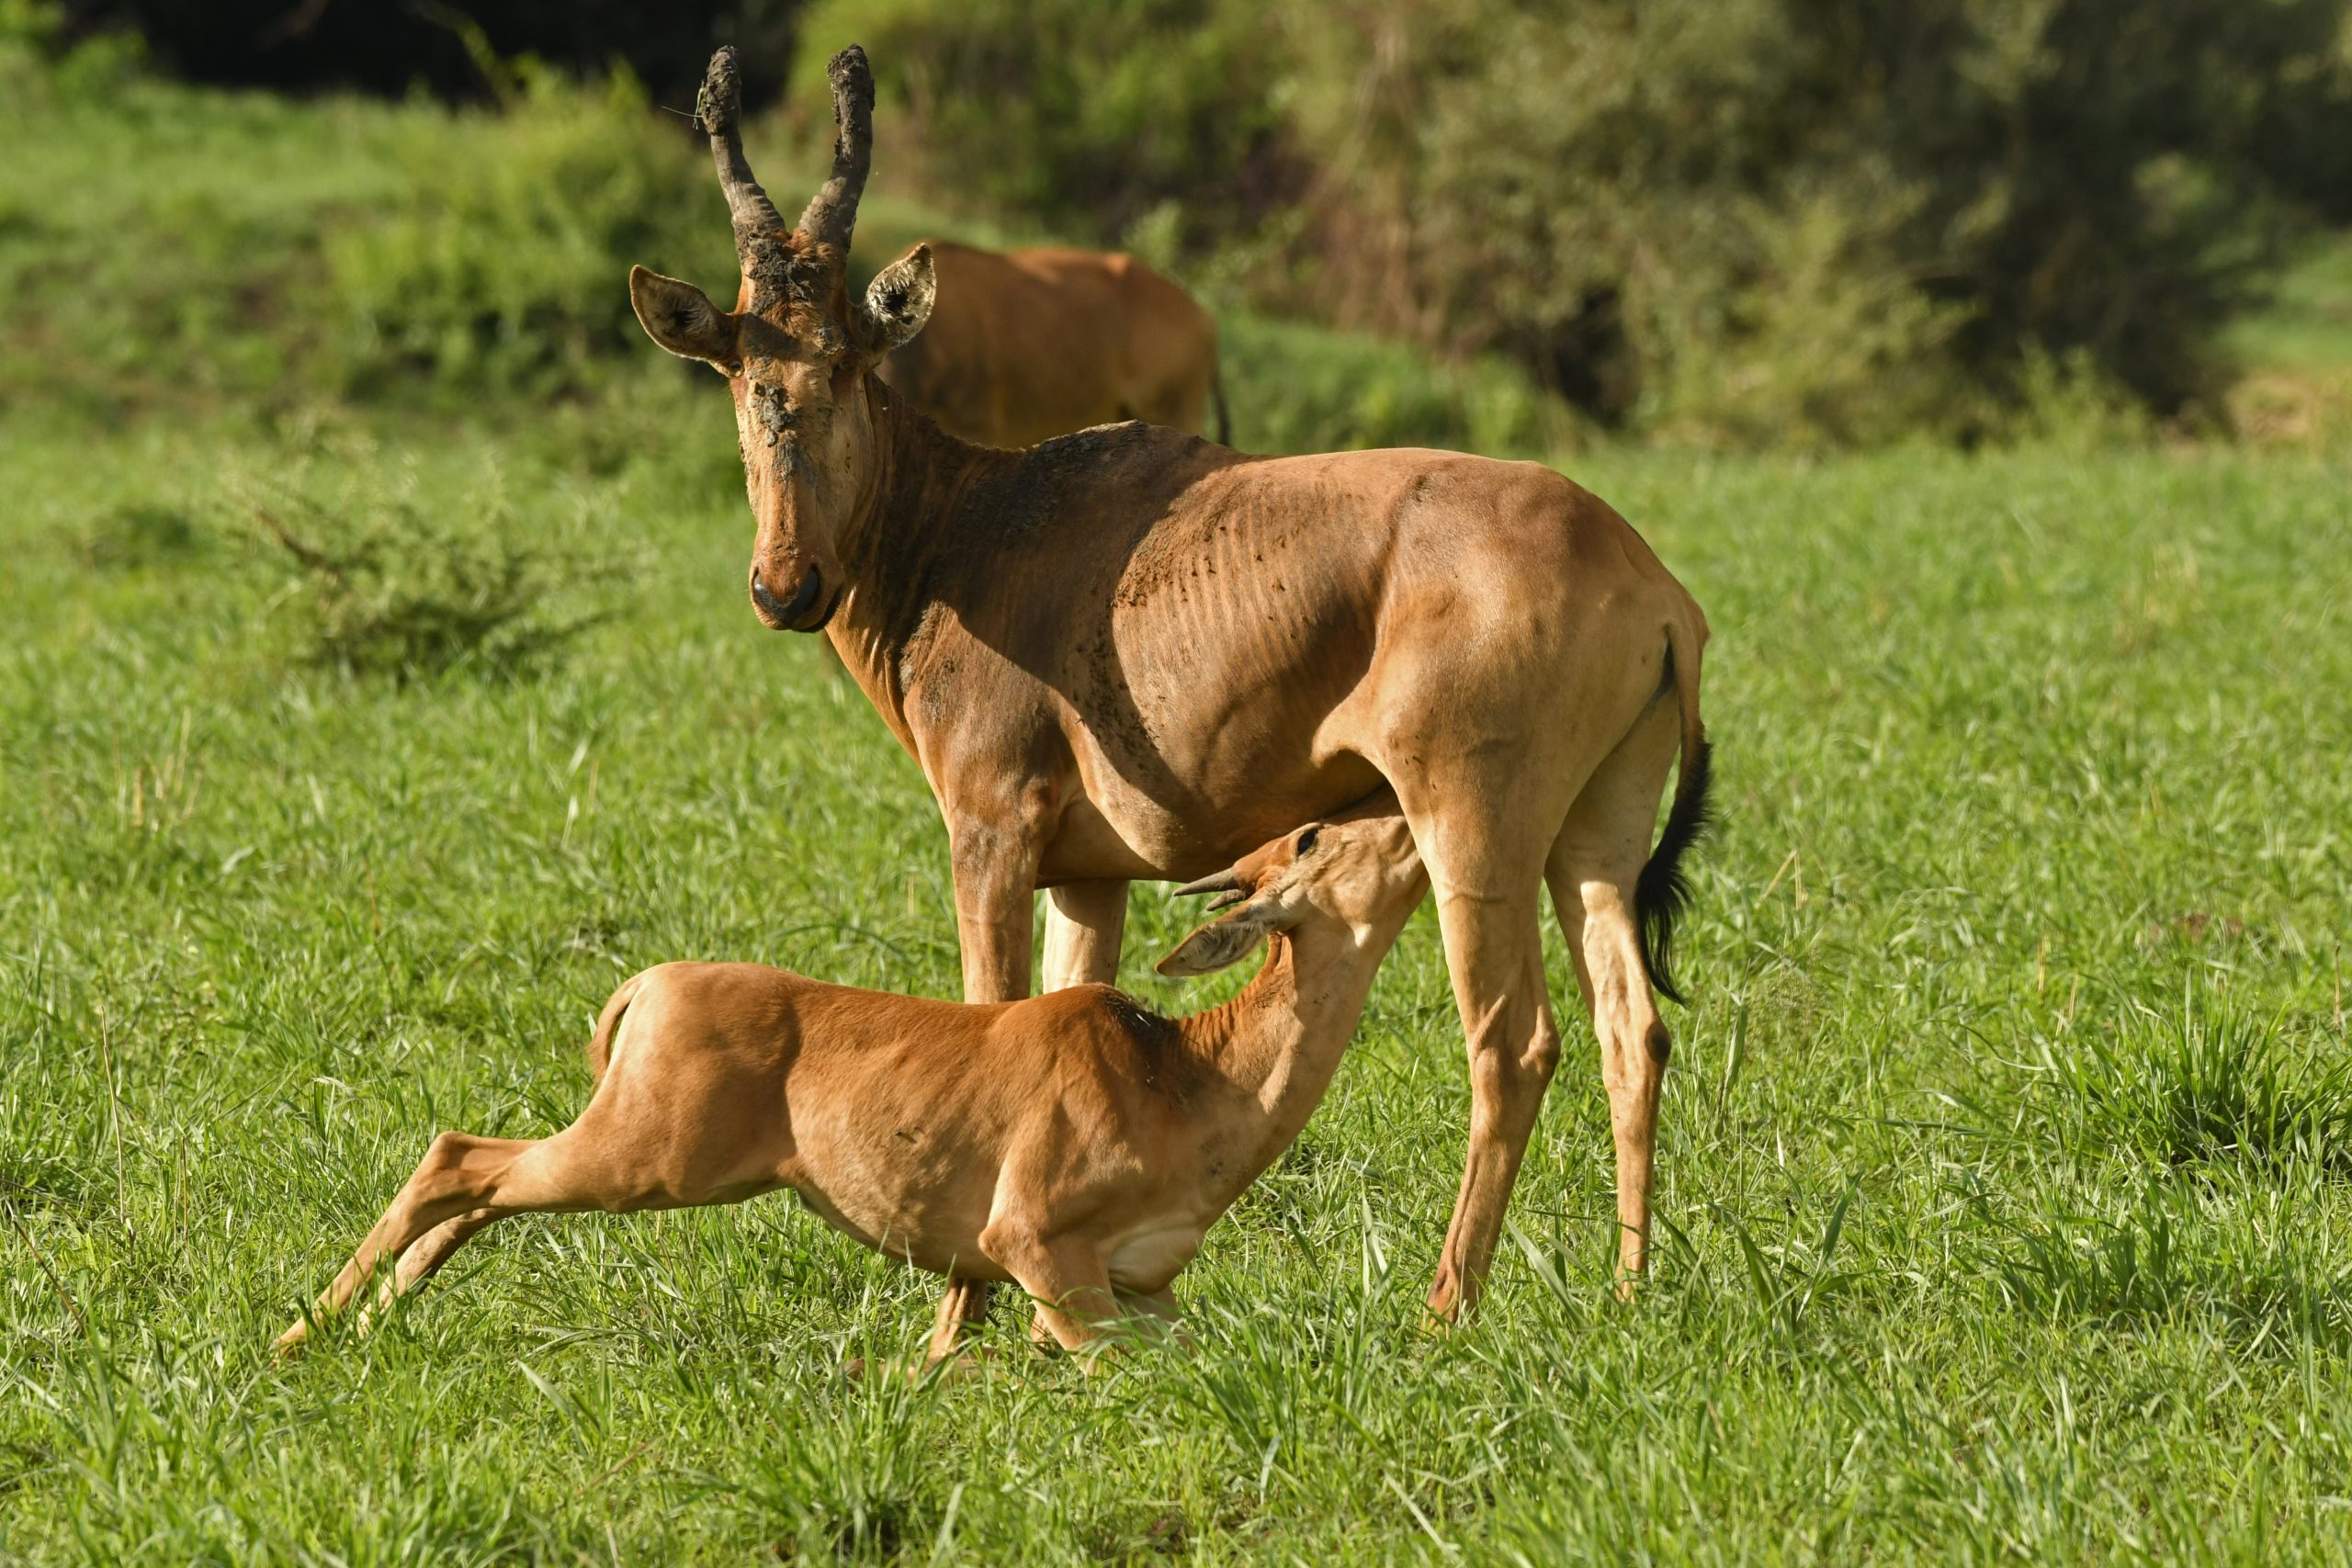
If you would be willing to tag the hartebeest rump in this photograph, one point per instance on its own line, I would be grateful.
(1074, 1144)
(1130, 653)
(1024, 345)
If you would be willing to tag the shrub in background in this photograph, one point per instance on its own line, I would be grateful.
(1300, 389)
(161, 245)
(1084, 116)
(505, 269)
(390, 591)
(393, 46)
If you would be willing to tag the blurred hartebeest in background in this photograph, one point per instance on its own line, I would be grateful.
(1025, 346)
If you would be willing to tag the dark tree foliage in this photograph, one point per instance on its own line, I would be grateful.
(389, 46)
(2122, 190)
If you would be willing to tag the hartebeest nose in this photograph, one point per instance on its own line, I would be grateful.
(789, 616)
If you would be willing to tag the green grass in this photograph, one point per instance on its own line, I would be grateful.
(2004, 1210)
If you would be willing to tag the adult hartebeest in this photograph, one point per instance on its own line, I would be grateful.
(1128, 653)
(1075, 1144)
(1024, 345)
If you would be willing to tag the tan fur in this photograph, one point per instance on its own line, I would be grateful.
(1024, 345)
(1127, 653)
(1074, 1144)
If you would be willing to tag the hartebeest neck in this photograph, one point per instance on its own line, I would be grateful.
(894, 546)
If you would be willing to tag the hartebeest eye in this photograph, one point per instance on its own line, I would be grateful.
(1307, 840)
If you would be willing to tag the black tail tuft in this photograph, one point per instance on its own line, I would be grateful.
(1663, 890)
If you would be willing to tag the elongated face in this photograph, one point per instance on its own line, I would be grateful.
(1360, 872)
(795, 349)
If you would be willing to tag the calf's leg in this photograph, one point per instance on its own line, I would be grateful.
(464, 1184)
(1066, 1276)
(457, 1174)
(963, 1307)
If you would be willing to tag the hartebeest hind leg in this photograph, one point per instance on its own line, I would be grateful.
(1592, 871)
(423, 1259)
(464, 1184)
(1488, 886)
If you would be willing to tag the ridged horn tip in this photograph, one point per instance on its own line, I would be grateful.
(722, 94)
(851, 77)
(830, 217)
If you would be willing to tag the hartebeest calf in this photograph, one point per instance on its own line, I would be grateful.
(1074, 1144)
(1024, 345)
(1130, 653)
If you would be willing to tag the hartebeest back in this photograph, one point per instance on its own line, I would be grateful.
(1129, 653)
(1076, 1144)
(1024, 345)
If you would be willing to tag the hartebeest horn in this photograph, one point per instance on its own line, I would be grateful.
(1224, 882)
(718, 110)
(831, 213)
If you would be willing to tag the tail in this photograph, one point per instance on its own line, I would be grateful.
(1217, 395)
(609, 1025)
(1663, 891)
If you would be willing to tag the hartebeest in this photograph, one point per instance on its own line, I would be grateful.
(1130, 653)
(1074, 1144)
(1024, 345)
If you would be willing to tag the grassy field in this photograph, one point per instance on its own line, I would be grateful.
(2007, 1154)
(2005, 1157)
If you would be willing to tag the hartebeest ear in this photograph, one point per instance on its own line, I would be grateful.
(898, 301)
(681, 317)
(1223, 941)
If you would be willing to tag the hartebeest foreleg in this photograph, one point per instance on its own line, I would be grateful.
(995, 867)
(1085, 922)
(993, 855)
(996, 874)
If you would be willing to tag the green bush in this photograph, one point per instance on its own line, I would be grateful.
(504, 270)
(1083, 115)
(393, 591)
(2202, 1087)
(164, 245)
(1292, 388)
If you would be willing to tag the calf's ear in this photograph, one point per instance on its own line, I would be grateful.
(681, 317)
(1222, 942)
(898, 301)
